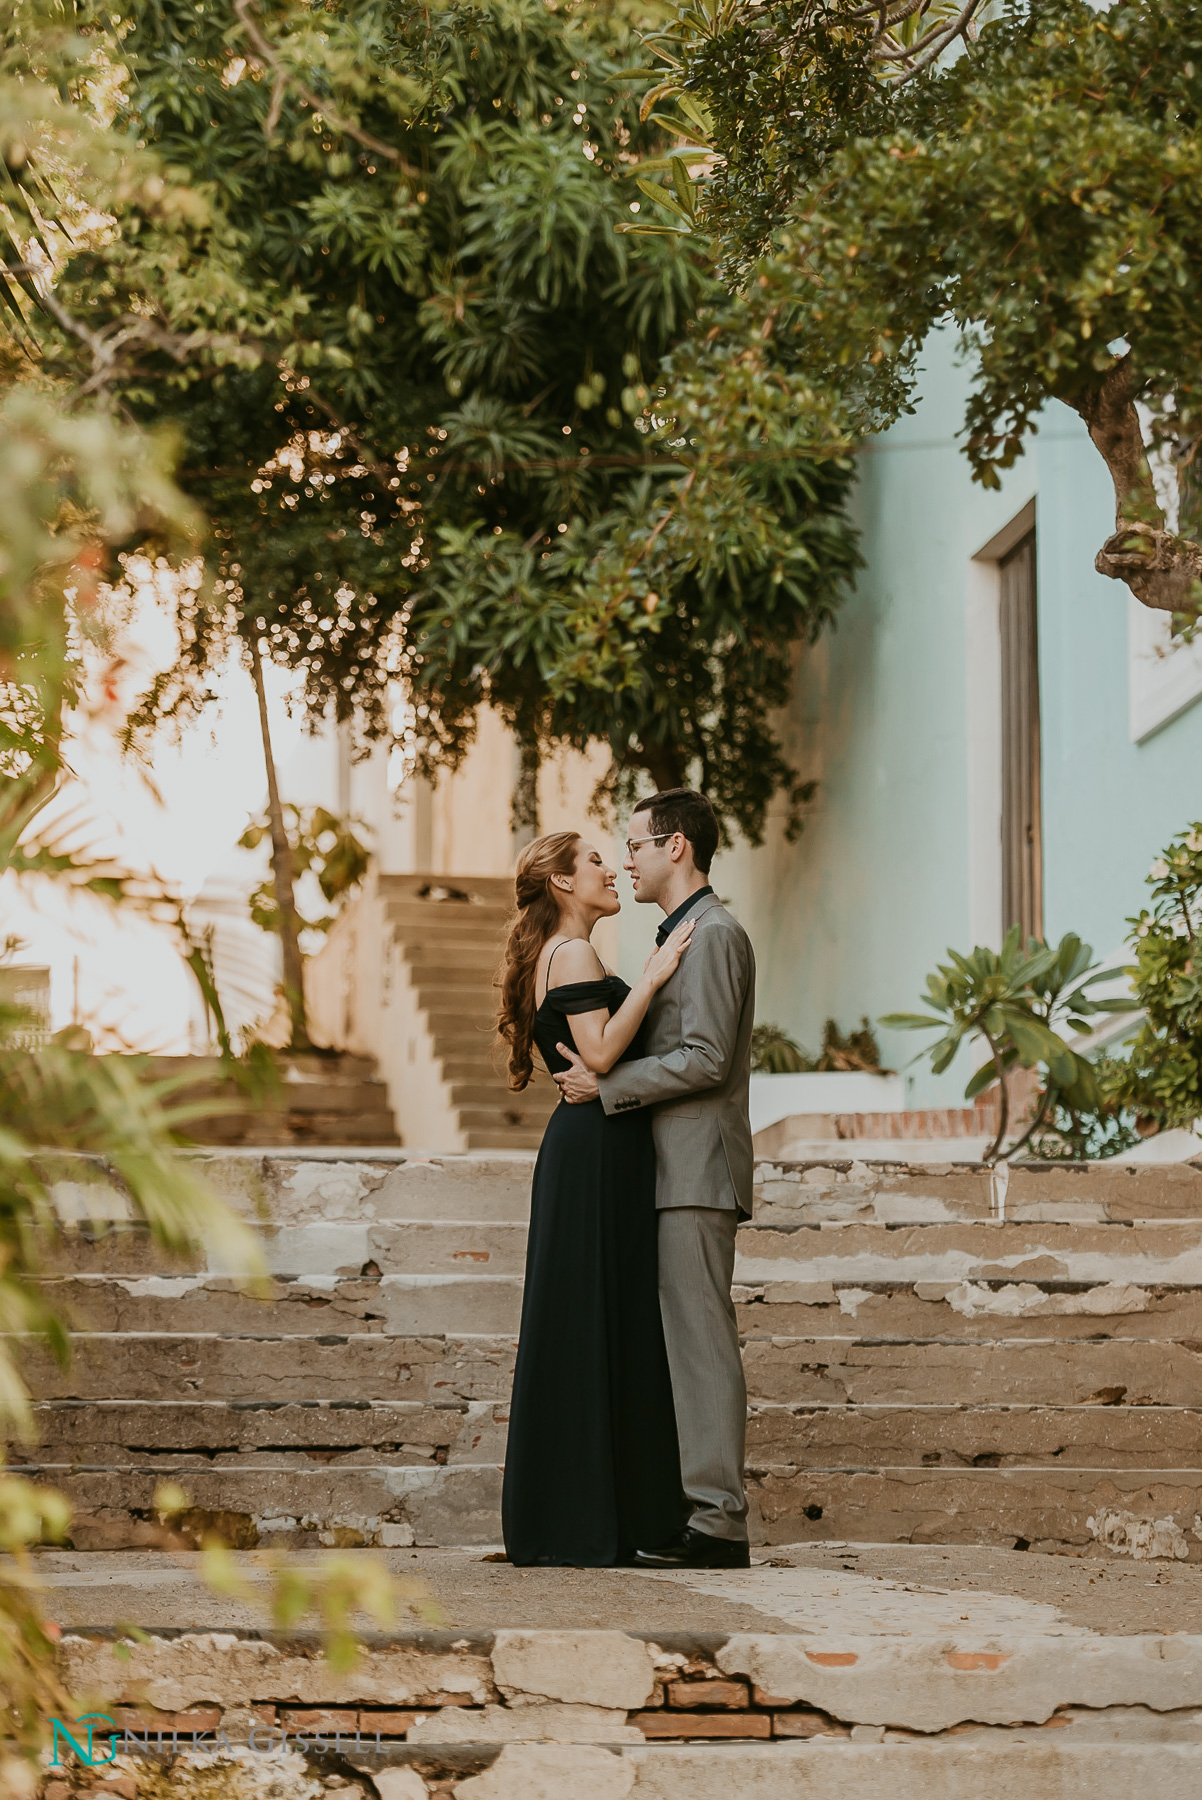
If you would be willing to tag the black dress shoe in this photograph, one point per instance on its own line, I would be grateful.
(696, 1550)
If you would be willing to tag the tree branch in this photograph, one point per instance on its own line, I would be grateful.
(284, 77)
(991, 1155)
(1162, 570)
(1033, 1127)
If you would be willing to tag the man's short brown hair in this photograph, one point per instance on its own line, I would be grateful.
(690, 813)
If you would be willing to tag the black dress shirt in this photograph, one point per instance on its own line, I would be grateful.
(682, 912)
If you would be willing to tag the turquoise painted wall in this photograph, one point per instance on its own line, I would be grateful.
(849, 919)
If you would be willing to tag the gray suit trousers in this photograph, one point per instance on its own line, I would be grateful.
(696, 1263)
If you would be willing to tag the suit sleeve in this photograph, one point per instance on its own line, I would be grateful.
(713, 984)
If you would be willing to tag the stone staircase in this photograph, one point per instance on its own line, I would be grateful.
(932, 1357)
(324, 1097)
(407, 975)
(451, 934)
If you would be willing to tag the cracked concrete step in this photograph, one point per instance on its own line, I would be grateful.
(290, 1507)
(1166, 1252)
(172, 1296)
(1022, 1372)
(996, 1435)
(582, 1715)
(109, 1431)
(1057, 1510)
(290, 1189)
(885, 1193)
(789, 1371)
(785, 1197)
(974, 1310)
(266, 1128)
(846, 1437)
(1145, 1512)
(192, 1366)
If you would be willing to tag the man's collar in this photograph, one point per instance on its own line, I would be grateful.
(682, 912)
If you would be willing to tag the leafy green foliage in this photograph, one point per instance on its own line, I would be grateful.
(423, 400)
(1160, 1079)
(323, 845)
(1017, 1000)
(1037, 192)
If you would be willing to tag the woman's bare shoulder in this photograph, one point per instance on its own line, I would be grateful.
(573, 960)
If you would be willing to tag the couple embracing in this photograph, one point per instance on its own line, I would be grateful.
(629, 1408)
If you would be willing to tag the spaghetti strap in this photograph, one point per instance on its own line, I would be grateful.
(551, 959)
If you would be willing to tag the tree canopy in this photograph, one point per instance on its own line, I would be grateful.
(1038, 191)
(418, 376)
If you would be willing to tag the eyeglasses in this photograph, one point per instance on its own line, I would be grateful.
(632, 844)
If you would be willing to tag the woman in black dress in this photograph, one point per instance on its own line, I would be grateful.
(592, 1469)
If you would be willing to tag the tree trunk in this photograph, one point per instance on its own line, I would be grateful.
(1162, 570)
(665, 765)
(281, 870)
(523, 808)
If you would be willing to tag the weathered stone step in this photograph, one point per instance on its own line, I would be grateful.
(792, 1371)
(439, 952)
(331, 1185)
(1044, 1509)
(496, 1095)
(340, 1366)
(974, 1436)
(177, 1297)
(453, 977)
(834, 1710)
(1023, 1372)
(895, 1193)
(515, 1112)
(436, 917)
(1162, 1252)
(111, 1431)
(458, 1014)
(1075, 1510)
(517, 1137)
(972, 1310)
(853, 1438)
(414, 1186)
(345, 1504)
(356, 1186)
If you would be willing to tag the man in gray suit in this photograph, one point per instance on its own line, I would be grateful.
(696, 1074)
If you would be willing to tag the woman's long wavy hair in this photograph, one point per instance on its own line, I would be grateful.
(534, 922)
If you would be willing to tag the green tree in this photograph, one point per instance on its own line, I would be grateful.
(1037, 191)
(426, 421)
(1159, 1079)
(79, 485)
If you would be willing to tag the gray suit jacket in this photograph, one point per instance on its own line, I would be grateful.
(697, 1070)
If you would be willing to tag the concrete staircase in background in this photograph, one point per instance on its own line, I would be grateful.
(452, 935)
(931, 1357)
(324, 1097)
(407, 976)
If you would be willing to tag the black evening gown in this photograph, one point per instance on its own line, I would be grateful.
(592, 1470)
